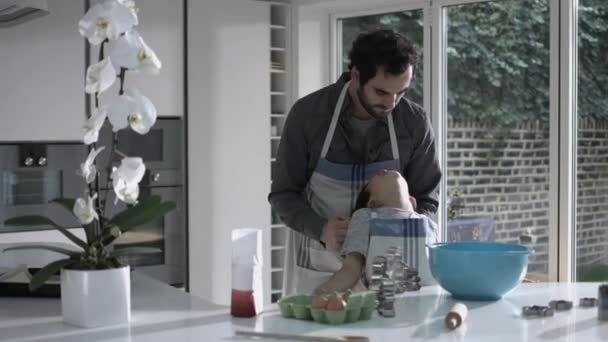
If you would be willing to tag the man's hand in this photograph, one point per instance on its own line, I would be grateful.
(334, 232)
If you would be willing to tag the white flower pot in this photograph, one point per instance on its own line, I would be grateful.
(96, 298)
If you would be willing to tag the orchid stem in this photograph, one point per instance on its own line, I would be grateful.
(114, 149)
(94, 188)
(109, 170)
(99, 59)
(101, 54)
(122, 80)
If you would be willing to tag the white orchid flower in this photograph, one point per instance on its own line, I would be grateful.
(144, 116)
(126, 178)
(131, 52)
(119, 108)
(125, 192)
(85, 210)
(100, 76)
(132, 109)
(93, 125)
(87, 169)
(130, 4)
(131, 169)
(107, 19)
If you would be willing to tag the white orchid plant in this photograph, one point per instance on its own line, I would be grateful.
(110, 22)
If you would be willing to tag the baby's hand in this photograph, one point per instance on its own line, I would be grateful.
(320, 301)
(334, 301)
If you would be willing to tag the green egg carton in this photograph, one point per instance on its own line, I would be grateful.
(359, 307)
(296, 306)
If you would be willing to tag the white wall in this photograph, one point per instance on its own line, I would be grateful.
(228, 134)
(161, 25)
(42, 71)
(314, 35)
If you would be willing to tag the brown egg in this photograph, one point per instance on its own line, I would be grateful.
(320, 301)
(336, 303)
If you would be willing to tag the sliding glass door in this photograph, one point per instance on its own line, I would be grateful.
(591, 261)
(497, 131)
(517, 91)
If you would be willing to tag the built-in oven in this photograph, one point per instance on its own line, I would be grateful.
(33, 174)
(162, 152)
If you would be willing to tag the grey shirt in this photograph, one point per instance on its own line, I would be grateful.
(302, 139)
(361, 126)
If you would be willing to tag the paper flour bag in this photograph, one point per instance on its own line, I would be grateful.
(246, 299)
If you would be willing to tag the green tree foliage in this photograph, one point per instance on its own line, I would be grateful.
(498, 58)
(593, 59)
(498, 61)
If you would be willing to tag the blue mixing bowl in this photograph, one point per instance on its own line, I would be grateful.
(478, 270)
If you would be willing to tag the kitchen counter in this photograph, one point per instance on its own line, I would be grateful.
(163, 313)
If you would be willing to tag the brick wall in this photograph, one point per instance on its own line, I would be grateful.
(505, 174)
(592, 192)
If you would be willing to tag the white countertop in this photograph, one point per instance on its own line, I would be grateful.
(162, 313)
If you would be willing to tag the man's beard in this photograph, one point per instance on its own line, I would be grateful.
(376, 114)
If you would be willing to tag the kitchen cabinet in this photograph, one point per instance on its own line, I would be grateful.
(42, 76)
(161, 25)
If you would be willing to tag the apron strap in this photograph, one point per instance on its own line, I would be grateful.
(334, 121)
(393, 136)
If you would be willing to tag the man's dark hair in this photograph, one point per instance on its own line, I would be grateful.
(388, 49)
(362, 198)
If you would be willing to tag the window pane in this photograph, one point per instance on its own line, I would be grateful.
(592, 144)
(406, 22)
(498, 125)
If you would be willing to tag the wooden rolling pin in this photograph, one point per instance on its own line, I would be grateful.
(456, 316)
(298, 337)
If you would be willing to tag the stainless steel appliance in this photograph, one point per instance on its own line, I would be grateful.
(31, 175)
(162, 152)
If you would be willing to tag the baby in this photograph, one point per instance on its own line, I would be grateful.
(386, 196)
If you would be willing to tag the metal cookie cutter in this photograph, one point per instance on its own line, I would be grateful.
(386, 298)
(379, 265)
(390, 275)
(588, 302)
(393, 254)
(387, 311)
(560, 305)
(411, 286)
(537, 311)
(406, 277)
(378, 273)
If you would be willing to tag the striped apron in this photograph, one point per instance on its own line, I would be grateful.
(411, 235)
(331, 191)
